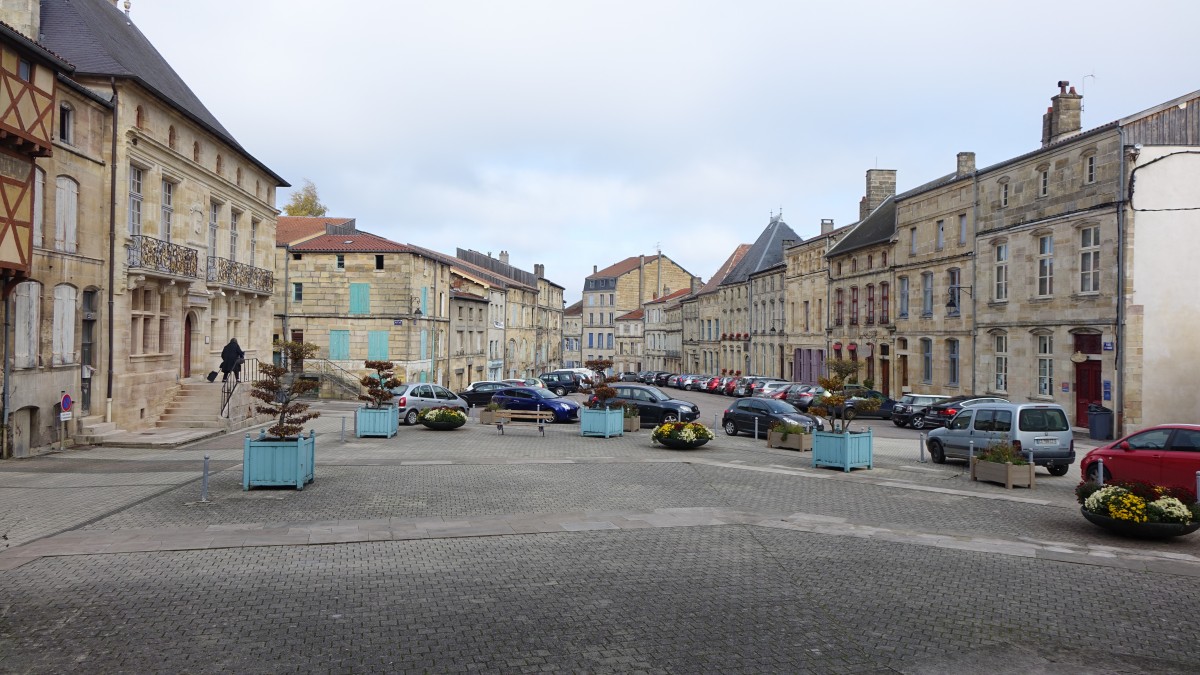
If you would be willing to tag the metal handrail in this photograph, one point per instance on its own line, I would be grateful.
(337, 374)
(249, 373)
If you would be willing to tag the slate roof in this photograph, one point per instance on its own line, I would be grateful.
(360, 242)
(765, 253)
(723, 271)
(295, 228)
(470, 268)
(100, 40)
(876, 228)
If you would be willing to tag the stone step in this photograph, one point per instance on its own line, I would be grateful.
(209, 423)
(96, 438)
(97, 428)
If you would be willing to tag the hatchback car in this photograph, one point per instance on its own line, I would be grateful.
(886, 405)
(1167, 455)
(533, 398)
(525, 382)
(478, 394)
(802, 395)
(770, 389)
(742, 415)
(910, 409)
(412, 398)
(1041, 430)
(654, 406)
(940, 414)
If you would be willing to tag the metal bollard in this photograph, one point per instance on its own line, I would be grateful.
(970, 455)
(1100, 471)
(343, 429)
(204, 482)
(714, 426)
(922, 448)
(755, 428)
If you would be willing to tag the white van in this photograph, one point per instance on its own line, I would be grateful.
(1042, 428)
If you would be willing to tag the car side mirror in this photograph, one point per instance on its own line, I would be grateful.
(1125, 445)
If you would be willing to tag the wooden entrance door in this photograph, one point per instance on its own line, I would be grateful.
(1087, 389)
(884, 384)
(187, 346)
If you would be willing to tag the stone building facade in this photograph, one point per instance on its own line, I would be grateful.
(572, 352)
(702, 339)
(622, 288)
(630, 342)
(807, 290)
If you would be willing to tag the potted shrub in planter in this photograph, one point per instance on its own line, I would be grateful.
(487, 414)
(839, 447)
(442, 419)
(1001, 463)
(681, 435)
(789, 436)
(379, 416)
(633, 417)
(1139, 510)
(598, 418)
(281, 455)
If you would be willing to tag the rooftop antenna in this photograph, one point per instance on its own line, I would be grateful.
(1083, 89)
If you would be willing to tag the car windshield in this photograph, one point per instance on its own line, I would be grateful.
(657, 395)
(777, 406)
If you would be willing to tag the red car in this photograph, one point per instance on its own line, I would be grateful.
(1167, 455)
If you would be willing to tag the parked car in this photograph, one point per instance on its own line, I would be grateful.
(1167, 455)
(533, 398)
(673, 380)
(886, 404)
(525, 382)
(940, 413)
(771, 388)
(561, 382)
(910, 409)
(628, 377)
(730, 385)
(742, 387)
(412, 398)
(654, 406)
(478, 394)
(757, 385)
(714, 385)
(741, 415)
(1040, 428)
(802, 395)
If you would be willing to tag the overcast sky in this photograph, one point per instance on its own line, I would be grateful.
(580, 133)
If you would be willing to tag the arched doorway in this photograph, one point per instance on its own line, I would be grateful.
(187, 345)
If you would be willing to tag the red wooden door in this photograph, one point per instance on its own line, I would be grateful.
(187, 346)
(1087, 389)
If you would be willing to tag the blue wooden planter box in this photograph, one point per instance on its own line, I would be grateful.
(601, 422)
(845, 450)
(376, 421)
(283, 462)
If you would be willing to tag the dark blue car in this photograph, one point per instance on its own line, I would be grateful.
(530, 398)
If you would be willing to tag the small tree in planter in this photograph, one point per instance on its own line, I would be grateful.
(281, 456)
(597, 419)
(838, 447)
(379, 416)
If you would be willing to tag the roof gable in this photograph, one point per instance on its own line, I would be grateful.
(294, 229)
(879, 226)
(765, 253)
(359, 242)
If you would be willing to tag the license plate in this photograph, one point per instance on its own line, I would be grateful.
(1046, 441)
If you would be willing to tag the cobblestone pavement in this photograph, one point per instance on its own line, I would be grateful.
(470, 551)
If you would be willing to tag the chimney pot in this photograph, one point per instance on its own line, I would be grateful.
(826, 225)
(966, 163)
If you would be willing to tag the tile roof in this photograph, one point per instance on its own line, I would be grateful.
(293, 229)
(672, 296)
(360, 242)
(877, 227)
(765, 253)
(467, 296)
(575, 309)
(629, 316)
(625, 266)
(100, 40)
(725, 268)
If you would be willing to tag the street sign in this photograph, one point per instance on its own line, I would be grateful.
(397, 322)
(66, 403)
(64, 416)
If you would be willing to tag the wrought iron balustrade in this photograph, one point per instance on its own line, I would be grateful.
(225, 272)
(148, 253)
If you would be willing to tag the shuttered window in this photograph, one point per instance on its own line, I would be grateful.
(360, 298)
(66, 210)
(39, 208)
(27, 305)
(62, 348)
(339, 345)
(377, 345)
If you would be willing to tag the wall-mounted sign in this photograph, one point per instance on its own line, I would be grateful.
(1108, 390)
(1109, 346)
(397, 322)
(1066, 387)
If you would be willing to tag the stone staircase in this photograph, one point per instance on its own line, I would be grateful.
(197, 405)
(94, 431)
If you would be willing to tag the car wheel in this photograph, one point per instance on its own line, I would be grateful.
(936, 452)
(918, 422)
(731, 428)
(560, 391)
(670, 417)
(1058, 469)
(410, 417)
(1091, 474)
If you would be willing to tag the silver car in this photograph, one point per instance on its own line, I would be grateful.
(417, 396)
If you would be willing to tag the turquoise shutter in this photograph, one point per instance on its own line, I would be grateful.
(339, 345)
(360, 298)
(424, 343)
(377, 345)
(424, 298)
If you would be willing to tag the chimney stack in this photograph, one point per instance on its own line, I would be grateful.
(539, 271)
(966, 163)
(594, 269)
(881, 184)
(1064, 116)
(826, 225)
(504, 257)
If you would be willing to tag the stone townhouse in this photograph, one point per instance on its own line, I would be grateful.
(359, 297)
(149, 286)
(807, 287)
(630, 342)
(751, 298)
(468, 330)
(573, 335)
(702, 338)
(622, 288)
(664, 331)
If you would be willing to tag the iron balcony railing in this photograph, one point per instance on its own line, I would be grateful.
(148, 253)
(225, 272)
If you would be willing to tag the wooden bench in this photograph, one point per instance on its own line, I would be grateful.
(524, 417)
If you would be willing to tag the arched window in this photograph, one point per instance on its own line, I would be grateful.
(62, 348)
(66, 213)
(27, 302)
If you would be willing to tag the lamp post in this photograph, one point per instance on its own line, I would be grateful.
(952, 303)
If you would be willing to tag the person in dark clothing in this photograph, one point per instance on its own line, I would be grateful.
(232, 358)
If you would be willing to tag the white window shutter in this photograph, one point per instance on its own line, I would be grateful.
(21, 339)
(39, 206)
(60, 211)
(63, 345)
(71, 236)
(56, 341)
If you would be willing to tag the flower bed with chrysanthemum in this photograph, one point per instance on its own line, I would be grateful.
(681, 434)
(1126, 506)
(442, 419)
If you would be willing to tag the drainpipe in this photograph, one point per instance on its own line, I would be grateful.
(112, 246)
(975, 284)
(287, 295)
(6, 449)
(1122, 200)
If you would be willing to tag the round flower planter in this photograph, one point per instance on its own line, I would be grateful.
(1127, 528)
(677, 444)
(443, 426)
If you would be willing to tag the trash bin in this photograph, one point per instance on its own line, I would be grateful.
(1100, 422)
